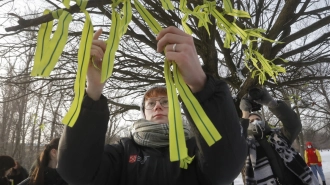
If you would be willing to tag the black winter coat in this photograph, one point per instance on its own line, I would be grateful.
(18, 175)
(4, 181)
(83, 159)
(51, 177)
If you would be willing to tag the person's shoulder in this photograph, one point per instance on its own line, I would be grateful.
(122, 143)
(121, 147)
(4, 181)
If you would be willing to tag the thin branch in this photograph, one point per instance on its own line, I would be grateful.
(22, 23)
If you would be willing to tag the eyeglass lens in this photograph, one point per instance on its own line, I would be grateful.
(151, 102)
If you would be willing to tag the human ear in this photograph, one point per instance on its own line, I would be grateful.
(53, 153)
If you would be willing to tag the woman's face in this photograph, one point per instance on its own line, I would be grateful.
(53, 154)
(156, 109)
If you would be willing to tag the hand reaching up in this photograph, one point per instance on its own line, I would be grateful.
(94, 85)
(179, 47)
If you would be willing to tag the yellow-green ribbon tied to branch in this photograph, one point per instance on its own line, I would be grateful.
(268, 67)
(203, 12)
(119, 26)
(263, 66)
(49, 50)
(83, 62)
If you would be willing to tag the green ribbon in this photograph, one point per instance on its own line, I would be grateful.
(83, 62)
(49, 50)
(119, 26)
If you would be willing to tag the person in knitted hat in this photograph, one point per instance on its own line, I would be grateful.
(314, 161)
(18, 173)
(144, 158)
(271, 159)
(6, 164)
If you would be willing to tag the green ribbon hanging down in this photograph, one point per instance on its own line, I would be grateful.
(201, 120)
(42, 42)
(202, 13)
(178, 148)
(49, 50)
(231, 29)
(119, 26)
(83, 62)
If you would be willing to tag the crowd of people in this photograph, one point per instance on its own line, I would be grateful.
(81, 155)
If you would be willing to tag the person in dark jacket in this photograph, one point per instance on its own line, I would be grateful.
(143, 159)
(44, 172)
(6, 165)
(18, 173)
(271, 159)
(313, 159)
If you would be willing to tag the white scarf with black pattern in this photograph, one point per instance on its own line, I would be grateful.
(258, 170)
(154, 135)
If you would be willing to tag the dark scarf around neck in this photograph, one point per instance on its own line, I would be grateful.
(154, 135)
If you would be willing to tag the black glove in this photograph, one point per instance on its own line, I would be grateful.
(266, 99)
(245, 104)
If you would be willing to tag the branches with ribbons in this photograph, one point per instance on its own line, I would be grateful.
(49, 50)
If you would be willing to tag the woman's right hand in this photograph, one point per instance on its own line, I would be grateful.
(94, 86)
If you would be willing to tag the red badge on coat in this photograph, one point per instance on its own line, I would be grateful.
(132, 158)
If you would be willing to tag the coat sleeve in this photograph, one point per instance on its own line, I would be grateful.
(222, 162)
(245, 124)
(81, 156)
(319, 159)
(306, 157)
(291, 123)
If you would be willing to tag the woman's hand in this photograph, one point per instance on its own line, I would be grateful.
(185, 56)
(94, 86)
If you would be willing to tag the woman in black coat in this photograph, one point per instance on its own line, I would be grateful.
(44, 172)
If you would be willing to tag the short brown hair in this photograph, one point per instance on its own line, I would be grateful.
(155, 91)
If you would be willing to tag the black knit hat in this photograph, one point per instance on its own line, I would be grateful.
(6, 162)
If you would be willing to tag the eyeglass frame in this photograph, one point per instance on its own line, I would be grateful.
(157, 99)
